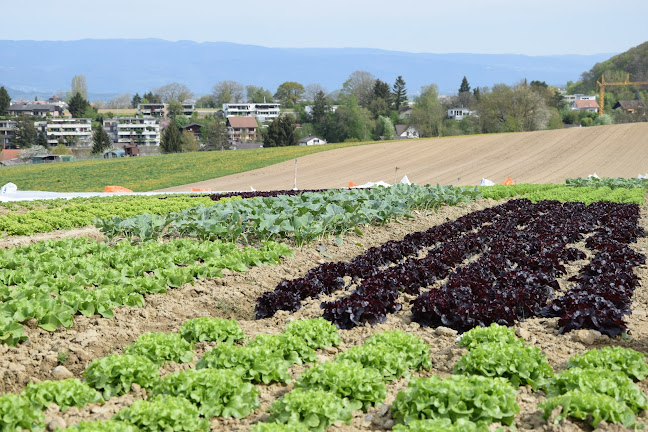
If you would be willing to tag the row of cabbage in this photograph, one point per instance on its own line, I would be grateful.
(597, 386)
(302, 217)
(53, 281)
(517, 250)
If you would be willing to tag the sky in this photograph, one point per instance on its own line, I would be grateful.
(530, 27)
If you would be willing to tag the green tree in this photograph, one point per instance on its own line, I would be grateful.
(427, 115)
(174, 109)
(206, 101)
(151, 97)
(171, 140)
(399, 93)
(360, 84)
(79, 86)
(188, 142)
(464, 87)
(227, 92)
(100, 141)
(25, 133)
(214, 135)
(174, 92)
(78, 105)
(320, 112)
(137, 99)
(350, 122)
(512, 109)
(385, 128)
(280, 133)
(465, 97)
(41, 139)
(257, 94)
(5, 101)
(288, 93)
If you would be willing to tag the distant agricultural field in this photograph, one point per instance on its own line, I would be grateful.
(143, 174)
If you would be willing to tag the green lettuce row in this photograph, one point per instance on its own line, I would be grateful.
(81, 212)
(52, 281)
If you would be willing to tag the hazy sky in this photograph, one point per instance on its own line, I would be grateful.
(461, 26)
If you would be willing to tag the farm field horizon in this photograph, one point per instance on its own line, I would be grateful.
(527, 157)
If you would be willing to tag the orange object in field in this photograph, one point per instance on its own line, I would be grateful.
(116, 189)
(509, 181)
(200, 189)
(351, 184)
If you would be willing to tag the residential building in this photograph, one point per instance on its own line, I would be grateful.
(142, 131)
(7, 129)
(629, 106)
(260, 111)
(73, 131)
(35, 109)
(459, 113)
(195, 129)
(241, 129)
(584, 105)
(574, 97)
(151, 110)
(311, 140)
(162, 110)
(406, 131)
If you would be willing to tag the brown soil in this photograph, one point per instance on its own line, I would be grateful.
(234, 295)
(14, 241)
(527, 157)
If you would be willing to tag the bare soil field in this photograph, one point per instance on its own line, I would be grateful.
(233, 296)
(526, 157)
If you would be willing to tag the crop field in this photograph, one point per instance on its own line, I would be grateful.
(409, 308)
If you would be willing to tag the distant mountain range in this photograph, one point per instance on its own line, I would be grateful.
(114, 66)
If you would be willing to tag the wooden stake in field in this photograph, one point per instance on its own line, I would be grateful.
(295, 185)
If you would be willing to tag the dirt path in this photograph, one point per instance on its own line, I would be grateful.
(527, 157)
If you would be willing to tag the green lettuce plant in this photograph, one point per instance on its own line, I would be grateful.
(445, 425)
(18, 413)
(64, 393)
(162, 347)
(520, 364)
(363, 387)
(474, 398)
(316, 409)
(626, 360)
(216, 392)
(114, 374)
(163, 414)
(102, 426)
(493, 333)
(211, 329)
(588, 406)
(317, 333)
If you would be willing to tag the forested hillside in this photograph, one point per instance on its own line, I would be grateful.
(634, 61)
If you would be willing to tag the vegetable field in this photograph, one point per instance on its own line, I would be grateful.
(408, 309)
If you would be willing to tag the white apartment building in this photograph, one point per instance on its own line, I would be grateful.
(260, 111)
(73, 131)
(7, 129)
(459, 113)
(574, 97)
(162, 110)
(142, 131)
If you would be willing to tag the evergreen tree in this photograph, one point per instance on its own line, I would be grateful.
(400, 93)
(465, 87)
(214, 135)
(320, 110)
(100, 141)
(171, 139)
(5, 101)
(280, 133)
(25, 135)
(137, 99)
(41, 140)
(78, 105)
